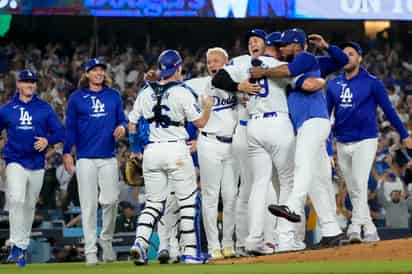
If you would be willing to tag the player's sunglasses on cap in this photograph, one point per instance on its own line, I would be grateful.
(92, 63)
(292, 36)
(255, 33)
(27, 76)
(168, 63)
(353, 45)
(272, 38)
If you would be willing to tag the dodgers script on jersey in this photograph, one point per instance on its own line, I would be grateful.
(272, 96)
(223, 118)
(178, 103)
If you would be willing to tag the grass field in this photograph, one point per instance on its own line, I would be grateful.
(127, 267)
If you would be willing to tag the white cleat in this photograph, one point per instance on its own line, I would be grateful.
(91, 259)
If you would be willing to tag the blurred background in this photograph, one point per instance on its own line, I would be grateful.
(54, 37)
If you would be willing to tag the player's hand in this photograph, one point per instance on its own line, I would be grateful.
(317, 40)
(257, 72)
(119, 132)
(407, 142)
(68, 163)
(40, 144)
(136, 155)
(207, 102)
(192, 145)
(151, 75)
(248, 87)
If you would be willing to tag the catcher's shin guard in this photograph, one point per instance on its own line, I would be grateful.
(189, 208)
(148, 219)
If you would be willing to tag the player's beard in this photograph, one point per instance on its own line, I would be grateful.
(288, 58)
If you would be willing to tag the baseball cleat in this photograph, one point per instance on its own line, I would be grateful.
(21, 259)
(91, 259)
(284, 212)
(163, 256)
(331, 241)
(138, 254)
(216, 255)
(354, 238)
(14, 254)
(228, 252)
(189, 259)
(370, 238)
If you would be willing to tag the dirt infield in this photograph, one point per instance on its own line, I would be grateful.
(385, 250)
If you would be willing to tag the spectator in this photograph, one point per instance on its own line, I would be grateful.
(397, 208)
(127, 221)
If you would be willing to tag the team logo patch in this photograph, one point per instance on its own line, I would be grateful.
(346, 96)
(25, 120)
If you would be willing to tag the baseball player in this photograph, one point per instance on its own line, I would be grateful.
(216, 161)
(353, 97)
(311, 121)
(256, 49)
(166, 105)
(31, 125)
(268, 115)
(94, 120)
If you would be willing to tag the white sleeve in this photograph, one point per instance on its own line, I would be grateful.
(136, 112)
(191, 108)
(198, 85)
(235, 72)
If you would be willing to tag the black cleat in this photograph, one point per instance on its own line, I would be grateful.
(284, 212)
(163, 257)
(331, 241)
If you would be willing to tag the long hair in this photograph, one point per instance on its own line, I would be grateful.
(84, 81)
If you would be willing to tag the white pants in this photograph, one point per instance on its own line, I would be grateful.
(167, 227)
(240, 151)
(98, 181)
(217, 175)
(271, 142)
(23, 188)
(355, 161)
(313, 177)
(167, 164)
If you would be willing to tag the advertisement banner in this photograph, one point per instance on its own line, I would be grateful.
(351, 9)
(149, 8)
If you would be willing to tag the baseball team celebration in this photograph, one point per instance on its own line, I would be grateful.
(205, 136)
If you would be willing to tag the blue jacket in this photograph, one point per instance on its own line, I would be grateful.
(24, 122)
(91, 119)
(306, 105)
(354, 103)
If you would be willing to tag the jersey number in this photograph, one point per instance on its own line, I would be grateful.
(263, 83)
(165, 117)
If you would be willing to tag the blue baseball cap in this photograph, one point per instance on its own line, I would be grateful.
(95, 62)
(168, 63)
(353, 45)
(272, 38)
(292, 36)
(27, 75)
(255, 33)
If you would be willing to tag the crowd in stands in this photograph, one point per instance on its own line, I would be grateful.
(59, 67)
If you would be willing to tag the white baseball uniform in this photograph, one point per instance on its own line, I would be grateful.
(270, 141)
(167, 160)
(216, 162)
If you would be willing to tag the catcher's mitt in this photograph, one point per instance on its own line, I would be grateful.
(134, 172)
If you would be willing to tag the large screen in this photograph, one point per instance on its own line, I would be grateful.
(351, 9)
(149, 8)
